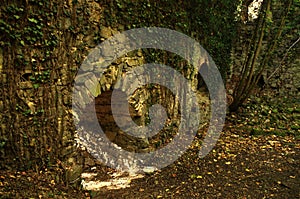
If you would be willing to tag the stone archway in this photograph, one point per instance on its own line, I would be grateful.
(95, 93)
(111, 129)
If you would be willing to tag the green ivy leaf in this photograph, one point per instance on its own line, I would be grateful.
(33, 20)
(36, 86)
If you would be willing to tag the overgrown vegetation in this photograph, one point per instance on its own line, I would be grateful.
(199, 19)
(44, 42)
(264, 115)
(35, 43)
(262, 46)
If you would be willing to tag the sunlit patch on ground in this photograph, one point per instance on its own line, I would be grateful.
(118, 181)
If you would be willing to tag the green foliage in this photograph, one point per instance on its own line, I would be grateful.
(25, 28)
(265, 116)
(216, 27)
(19, 30)
(40, 77)
(264, 42)
(212, 23)
(9, 26)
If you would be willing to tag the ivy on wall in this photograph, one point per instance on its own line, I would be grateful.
(212, 23)
(41, 53)
(45, 42)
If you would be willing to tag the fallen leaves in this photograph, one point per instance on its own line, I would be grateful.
(241, 165)
(29, 184)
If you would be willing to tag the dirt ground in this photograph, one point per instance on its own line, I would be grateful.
(238, 167)
(243, 164)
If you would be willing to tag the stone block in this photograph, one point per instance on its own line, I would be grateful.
(82, 78)
(93, 87)
(105, 32)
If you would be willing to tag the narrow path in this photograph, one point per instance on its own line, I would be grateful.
(238, 167)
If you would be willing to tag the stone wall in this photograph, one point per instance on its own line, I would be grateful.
(94, 93)
(282, 75)
(40, 53)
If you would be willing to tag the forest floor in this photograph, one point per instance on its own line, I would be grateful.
(257, 156)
